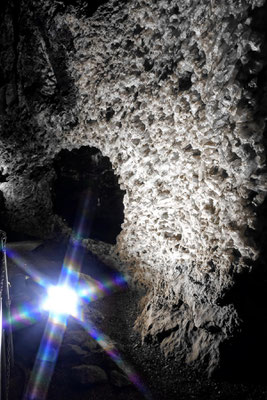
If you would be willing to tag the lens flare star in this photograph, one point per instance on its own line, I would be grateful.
(67, 298)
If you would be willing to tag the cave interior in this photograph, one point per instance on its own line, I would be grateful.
(133, 184)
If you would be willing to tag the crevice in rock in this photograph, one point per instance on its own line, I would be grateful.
(164, 334)
(185, 82)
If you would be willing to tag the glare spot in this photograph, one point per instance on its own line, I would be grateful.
(61, 300)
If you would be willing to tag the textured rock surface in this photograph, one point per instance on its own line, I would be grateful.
(174, 93)
(119, 379)
(88, 374)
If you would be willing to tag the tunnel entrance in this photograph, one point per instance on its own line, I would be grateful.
(86, 194)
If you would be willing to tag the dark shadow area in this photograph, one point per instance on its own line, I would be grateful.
(56, 251)
(61, 91)
(90, 6)
(244, 358)
(86, 194)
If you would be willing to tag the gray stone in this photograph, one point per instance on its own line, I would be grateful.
(77, 337)
(90, 344)
(2, 99)
(11, 94)
(87, 375)
(72, 351)
(119, 379)
(93, 315)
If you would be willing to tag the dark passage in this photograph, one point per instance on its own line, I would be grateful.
(86, 194)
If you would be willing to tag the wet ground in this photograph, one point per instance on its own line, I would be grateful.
(85, 371)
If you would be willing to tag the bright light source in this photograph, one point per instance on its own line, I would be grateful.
(61, 300)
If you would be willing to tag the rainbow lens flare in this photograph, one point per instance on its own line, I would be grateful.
(23, 315)
(107, 345)
(66, 299)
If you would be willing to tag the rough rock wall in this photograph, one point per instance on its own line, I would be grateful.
(168, 91)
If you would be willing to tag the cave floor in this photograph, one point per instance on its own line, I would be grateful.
(163, 379)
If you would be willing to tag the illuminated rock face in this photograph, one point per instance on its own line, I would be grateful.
(168, 91)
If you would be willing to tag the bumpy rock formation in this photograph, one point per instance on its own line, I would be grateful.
(174, 93)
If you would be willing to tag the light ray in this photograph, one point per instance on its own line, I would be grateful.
(47, 355)
(94, 290)
(54, 331)
(29, 269)
(107, 345)
(23, 315)
(45, 362)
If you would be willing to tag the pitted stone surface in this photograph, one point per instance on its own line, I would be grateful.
(167, 90)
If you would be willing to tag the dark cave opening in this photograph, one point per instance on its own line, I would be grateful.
(86, 194)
